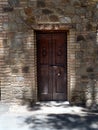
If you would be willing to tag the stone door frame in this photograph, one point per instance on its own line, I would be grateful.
(70, 54)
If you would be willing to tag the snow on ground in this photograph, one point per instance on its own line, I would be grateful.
(42, 115)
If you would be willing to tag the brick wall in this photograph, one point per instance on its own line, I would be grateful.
(3, 38)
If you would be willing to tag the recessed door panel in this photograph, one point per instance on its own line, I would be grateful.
(45, 83)
(59, 49)
(44, 49)
(59, 81)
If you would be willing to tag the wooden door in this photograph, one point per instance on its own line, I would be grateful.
(52, 68)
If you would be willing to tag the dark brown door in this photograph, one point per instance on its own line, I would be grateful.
(52, 69)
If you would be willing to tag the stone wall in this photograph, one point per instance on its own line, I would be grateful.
(3, 37)
(78, 17)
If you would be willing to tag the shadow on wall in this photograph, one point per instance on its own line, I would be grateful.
(85, 91)
(86, 94)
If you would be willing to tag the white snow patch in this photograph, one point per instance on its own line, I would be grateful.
(18, 108)
(94, 126)
(11, 121)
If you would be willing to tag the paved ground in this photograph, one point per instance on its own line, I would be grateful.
(4, 108)
(62, 116)
(47, 116)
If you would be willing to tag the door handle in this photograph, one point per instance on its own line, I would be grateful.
(57, 66)
(54, 66)
(59, 74)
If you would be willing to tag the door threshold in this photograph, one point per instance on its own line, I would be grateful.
(53, 103)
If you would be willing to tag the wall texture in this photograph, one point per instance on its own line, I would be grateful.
(18, 21)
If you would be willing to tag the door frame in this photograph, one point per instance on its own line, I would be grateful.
(51, 31)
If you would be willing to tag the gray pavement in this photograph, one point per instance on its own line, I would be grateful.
(63, 122)
(70, 119)
(52, 116)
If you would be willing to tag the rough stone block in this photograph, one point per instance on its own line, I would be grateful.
(40, 3)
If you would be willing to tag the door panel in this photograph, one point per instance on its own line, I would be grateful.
(44, 70)
(45, 83)
(44, 49)
(52, 67)
(59, 49)
(59, 79)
